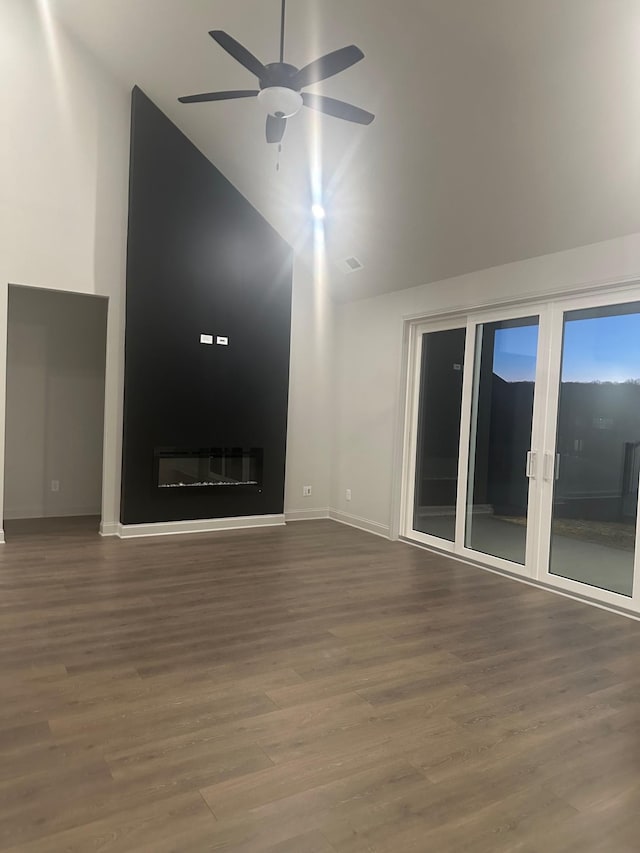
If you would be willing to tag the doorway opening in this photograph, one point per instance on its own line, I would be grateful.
(56, 359)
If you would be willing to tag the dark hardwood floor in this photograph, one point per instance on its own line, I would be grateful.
(309, 689)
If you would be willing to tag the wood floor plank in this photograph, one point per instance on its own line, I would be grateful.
(308, 689)
(171, 824)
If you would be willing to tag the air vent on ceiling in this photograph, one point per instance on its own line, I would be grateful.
(353, 264)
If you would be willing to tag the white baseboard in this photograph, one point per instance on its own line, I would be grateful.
(109, 528)
(38, 512)
(18, 514)
(361, 523)
(199, 525)
(305, 514)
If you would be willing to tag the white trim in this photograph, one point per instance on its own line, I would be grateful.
(409, 437)
(402, 433)
(583, 599)
(2, 542)
(501, 564)
(305, 514)
(36, 512)
(592, 288)
(547, 486)
(468, 429)
(29, 512)
(198, 525)
(361, 523)
(431, 541)
(466, 403)
(109, 528)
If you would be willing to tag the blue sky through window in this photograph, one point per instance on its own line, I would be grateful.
(602, 349)
(514, 353)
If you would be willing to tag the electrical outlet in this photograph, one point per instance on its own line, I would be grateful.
(55, 485)
(306, 491)
(348, 494)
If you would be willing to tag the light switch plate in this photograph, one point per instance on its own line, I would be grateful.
(206, 339)
(222, 340)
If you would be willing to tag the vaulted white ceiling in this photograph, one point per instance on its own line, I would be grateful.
(504, 129)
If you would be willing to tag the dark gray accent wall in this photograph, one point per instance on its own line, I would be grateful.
(200, 259)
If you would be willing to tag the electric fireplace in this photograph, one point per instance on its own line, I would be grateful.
(222, 468)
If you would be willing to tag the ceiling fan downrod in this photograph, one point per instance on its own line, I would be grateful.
(282, 31)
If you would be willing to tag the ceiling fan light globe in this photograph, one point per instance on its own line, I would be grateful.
(280, 101)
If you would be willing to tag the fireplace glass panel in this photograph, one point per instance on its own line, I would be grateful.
(210, 468)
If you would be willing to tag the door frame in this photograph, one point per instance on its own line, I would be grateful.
(114, 354)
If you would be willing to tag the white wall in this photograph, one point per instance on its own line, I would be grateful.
(310, 414)
(368, 358)
(64, 160)
(55, 403)
(64, 154)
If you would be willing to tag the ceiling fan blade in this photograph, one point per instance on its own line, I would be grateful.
(337, 108)
(276, 127)
(239, 53)
(219, 96)
(327, 66)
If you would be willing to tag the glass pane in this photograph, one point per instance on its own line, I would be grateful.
(598, 448)
(501, 419)
(439, 433)
(209, 467)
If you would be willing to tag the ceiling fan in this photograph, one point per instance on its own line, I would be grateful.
(281, 84)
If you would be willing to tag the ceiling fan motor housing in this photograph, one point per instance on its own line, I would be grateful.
(279, 74)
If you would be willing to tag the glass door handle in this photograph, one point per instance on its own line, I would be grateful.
(548, 466)
(531, 464)
(551, 466)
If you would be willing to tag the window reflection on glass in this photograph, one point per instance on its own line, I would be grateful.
(439, 433)
(598, 448)
(501, 421)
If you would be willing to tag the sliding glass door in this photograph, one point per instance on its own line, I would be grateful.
(500, 451)
(440, 355)
(471, 453)
(524, 443)
(593, 461)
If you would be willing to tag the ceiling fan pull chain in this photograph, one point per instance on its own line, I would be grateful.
(278, 160)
